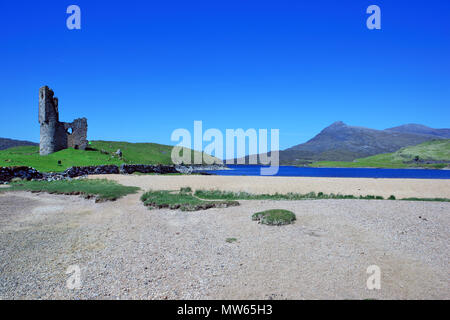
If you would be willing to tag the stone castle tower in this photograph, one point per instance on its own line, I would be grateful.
(57, 135)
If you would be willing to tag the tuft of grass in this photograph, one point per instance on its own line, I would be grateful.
(180, 200)
(276, 217)
(231, 240)
(186, 190)
(102, 189)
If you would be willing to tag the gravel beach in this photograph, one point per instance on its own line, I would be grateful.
(126, 251)
(401, 188)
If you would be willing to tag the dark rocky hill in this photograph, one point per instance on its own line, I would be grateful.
(6, 143)
(421, 129)
(341, 142)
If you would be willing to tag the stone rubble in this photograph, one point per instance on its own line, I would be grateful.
(28, 173)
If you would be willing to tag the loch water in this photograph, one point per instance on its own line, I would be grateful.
(290, 171)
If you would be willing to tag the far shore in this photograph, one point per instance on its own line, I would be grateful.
(400, 188)
(344, 167)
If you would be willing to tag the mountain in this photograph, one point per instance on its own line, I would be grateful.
(421, 129)
(431, 154)
(6, 143)
(341, 142)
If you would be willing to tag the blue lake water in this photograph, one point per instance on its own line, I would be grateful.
(288, 171)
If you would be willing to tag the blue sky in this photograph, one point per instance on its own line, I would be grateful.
(140, 69)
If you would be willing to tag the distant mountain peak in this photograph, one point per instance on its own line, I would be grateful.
(337, 124)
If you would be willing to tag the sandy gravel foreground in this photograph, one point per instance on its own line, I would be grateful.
(401, 188)
(126, 251)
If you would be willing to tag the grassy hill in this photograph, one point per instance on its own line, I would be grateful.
(422, 155)
(101, 152)
(342, 142)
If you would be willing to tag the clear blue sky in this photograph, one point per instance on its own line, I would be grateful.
(140, 69)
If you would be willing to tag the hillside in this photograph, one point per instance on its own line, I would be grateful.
(432, 154)
(420, 129)
(6, 143)
(101, 152)
(341, 142)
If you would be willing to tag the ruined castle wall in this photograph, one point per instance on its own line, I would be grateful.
(76, 133)
(53, 138)
(57, 135)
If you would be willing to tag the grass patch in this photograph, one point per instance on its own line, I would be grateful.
(29, 156)
(427, 199)
(186, 190)
(229, 195)
(183, 200)
(102, 189)
(230, 240)
(275, 217)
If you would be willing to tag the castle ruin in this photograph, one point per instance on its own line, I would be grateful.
(57, 135)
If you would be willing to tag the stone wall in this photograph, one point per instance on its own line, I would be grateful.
(144, 168)
(28, 173)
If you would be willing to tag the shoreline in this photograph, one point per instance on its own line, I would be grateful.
(400, 188)
(294, 166)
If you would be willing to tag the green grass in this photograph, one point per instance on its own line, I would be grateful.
(435, 150)
(169, 199)
(102, 152)
(100, 188)
(229, 195)
(183, 200)
(29, 156)
(231, 240)
(186, 190)
(427, 199)
(276, 217)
